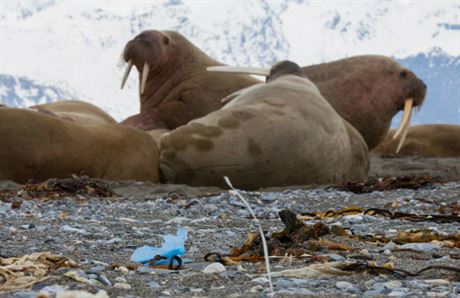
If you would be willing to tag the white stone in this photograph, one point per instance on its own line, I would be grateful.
(214, 268)
(392, 284)
(436, 281)
(121, 285)
(354, 218)
(344, 285)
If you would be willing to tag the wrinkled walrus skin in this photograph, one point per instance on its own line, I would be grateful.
(40, 146)
(431, 140)
(275, 134)
(77, 111)
(178, 88)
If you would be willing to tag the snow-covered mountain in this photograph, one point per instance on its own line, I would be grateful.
(55, 49)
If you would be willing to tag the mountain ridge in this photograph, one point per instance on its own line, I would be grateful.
(76, 47)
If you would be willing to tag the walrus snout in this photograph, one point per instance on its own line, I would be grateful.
(416, 89)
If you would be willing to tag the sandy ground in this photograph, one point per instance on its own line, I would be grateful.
(100, 232)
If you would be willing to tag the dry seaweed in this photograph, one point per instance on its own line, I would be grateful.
(438, 218)
(24, 272)
(82, 186)
(389, 183)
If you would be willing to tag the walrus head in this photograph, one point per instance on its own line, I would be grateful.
(409, 91)
(172, 88)
(368, 91)
(282, 68)
(147, 51)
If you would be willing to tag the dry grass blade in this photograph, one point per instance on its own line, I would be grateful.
(233, 191)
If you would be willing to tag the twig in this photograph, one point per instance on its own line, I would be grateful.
(234, 192)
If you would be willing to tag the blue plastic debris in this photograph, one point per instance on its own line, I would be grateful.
(172, 246)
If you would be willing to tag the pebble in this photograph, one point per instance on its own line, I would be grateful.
(178, 220)
(260, 280)
(389, 246)
(417, 284)
(296, 292)
(397, 293)
(120, 279)
(210, 208)
(436, 281)
(24, 294)
(69, 229)
(392, 284)
(290, 283)
(257, 289)
(428, 246)
(114, 240)
(104, 280)
(269, 197)
(230, 233)
(153, 285)
(364, 252)
(96, 269)
(387, 252)
(145, 270)
(437, 294)
(373, 293)
(344, 285)
(120, 285)
(354, 218)
(214, 268)
(335, 257)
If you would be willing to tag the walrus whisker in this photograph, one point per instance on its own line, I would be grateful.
(126, 74)
(406, 117)
(145, 74)
(260, 71)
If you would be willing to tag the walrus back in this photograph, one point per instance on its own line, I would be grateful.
(268, 136)
(435, 140)
(38, 146)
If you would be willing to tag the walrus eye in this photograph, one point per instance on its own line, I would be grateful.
(165, 40)
(403, 74)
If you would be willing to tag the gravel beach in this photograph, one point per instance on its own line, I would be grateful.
(101, 233)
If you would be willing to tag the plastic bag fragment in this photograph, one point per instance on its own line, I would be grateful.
(173, 246)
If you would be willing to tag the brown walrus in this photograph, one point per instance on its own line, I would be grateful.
(40, 146)
(175, 88)
(77, 111)
(174, 85)
(275, 134)
(432, 140)
(367, 91)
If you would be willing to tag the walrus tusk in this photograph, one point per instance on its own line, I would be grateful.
(145, 74)
(403, 136)
(126, 74)
(260, 71)
(406, 117)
